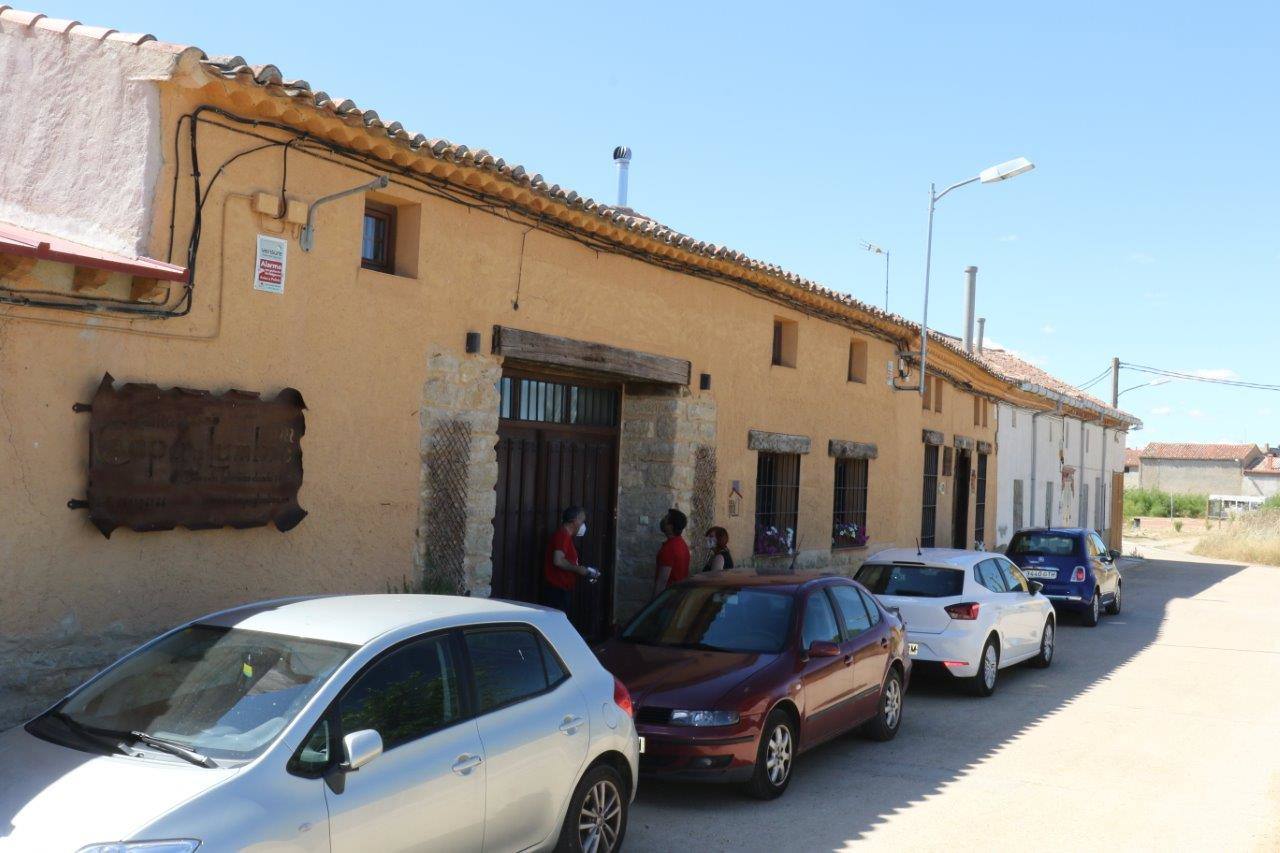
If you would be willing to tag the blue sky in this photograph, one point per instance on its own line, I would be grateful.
(794, 131)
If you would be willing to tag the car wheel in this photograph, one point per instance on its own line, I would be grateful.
(1094, 613)
(597, 818)
(1114, 607)
(984, 683)
(775, 757)
(1045, 657)
(884, 725)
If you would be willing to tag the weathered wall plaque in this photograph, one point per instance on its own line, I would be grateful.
(163, 459)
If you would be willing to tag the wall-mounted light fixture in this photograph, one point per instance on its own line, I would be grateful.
(307, 238)
(473, 342)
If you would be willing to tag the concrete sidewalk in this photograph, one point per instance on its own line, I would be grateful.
(1159, 729)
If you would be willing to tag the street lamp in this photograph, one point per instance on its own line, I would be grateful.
(990, 175)
(876, 250)
(1160, 381)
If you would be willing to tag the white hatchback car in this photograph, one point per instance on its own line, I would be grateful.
(970, 611)
(346, 723)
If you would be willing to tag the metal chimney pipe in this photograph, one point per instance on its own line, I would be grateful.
(982, 330)
(622, 156)
(970, 296)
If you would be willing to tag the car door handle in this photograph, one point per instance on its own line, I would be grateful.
(571, 724)
(848, 660)
(466, 763)
(884, 642)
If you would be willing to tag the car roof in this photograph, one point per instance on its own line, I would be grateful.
(748, 577)
(952, 557)
(358, 619)
(1070, 531)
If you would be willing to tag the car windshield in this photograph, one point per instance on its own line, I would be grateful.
(222, 692)
(911, 581)
(716, 619)
(1043, 545)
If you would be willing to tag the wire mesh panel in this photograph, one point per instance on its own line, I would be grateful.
(447, 462)
(849, 515)
(777, 502)
(929, 498)
(980, 506)
(703, 509)
(1018, 503)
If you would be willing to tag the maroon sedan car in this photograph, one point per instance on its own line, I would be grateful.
(733, 675)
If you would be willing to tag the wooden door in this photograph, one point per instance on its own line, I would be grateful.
(1115, 521)
(544, 467)
(960, 502)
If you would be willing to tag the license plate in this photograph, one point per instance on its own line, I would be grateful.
(1047, 574)
(641, 745)
(913, 649)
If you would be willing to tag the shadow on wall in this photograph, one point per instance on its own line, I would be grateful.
(864, 783)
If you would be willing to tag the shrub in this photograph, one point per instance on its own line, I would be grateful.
(1272, 502)
(1156, 502)
(1177, 527)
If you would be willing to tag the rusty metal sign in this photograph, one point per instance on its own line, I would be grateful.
(179, 457)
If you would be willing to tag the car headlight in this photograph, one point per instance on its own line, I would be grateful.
(704, 718)
(172, 845)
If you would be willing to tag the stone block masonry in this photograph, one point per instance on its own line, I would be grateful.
(666, 459)
(453, 547)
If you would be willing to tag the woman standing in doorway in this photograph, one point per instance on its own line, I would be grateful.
(718, 543)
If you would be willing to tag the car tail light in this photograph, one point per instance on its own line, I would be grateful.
(968, 610)
(1077, 576)
(622, 697)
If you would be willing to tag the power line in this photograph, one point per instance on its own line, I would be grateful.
(1191, 377)
(1095, 380)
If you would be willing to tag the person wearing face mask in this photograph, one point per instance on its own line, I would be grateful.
(673, 556)
(560, 570)
(718, 544)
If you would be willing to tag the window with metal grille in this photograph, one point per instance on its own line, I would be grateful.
(980, 504)
(777, 502)
(1084, 504)
(378, 240)
(849, 514)
(929, 500)
(557, 403)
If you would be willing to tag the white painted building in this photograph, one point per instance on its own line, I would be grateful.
(1055, 466)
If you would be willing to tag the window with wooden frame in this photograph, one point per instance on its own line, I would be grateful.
(977, 410)
(378, 238)
(786, 335)
(927, 400)
(980, 504)
(986, 414)
(937, 393)
(777, 502)
(849, 510)
(858, 361)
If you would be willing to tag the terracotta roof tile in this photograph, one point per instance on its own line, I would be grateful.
(1132, 457)
(1269, 464)
(270, 78)
(1183, 450)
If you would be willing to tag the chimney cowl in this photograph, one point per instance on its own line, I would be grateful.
(622, 152)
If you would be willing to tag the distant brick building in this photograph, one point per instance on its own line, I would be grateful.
(1204, 469)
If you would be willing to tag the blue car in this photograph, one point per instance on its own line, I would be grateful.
(1079, 573)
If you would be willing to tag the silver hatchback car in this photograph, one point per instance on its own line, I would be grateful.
(346, 723)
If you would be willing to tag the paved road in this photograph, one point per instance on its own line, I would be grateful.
(1159, 729)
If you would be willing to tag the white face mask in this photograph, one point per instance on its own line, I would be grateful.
(582, 530)
(711, 543)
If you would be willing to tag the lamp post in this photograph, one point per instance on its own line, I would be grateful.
(991, 175)
(876, 250)
(1160, 381)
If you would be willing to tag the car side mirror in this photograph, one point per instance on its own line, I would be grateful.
(823, 649)
(1113, 554)
(1035, 587)
(359, 748)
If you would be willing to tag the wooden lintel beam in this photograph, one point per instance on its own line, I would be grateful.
(541, 348)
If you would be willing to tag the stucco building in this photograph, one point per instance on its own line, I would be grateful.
(474, 346)
(1063, 465)
(1200, 469)
(1263, 478)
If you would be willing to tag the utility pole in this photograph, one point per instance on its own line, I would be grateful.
(1115, 382)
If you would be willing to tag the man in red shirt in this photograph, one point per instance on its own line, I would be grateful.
(673, 556)
(560, 569)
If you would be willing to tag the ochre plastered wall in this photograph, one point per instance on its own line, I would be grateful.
(356, 344)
